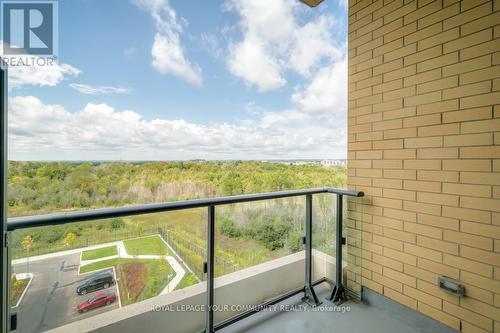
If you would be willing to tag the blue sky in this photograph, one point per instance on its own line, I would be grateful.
(168, 80)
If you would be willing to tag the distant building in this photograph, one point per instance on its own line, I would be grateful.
(292, 162)
(333, 163)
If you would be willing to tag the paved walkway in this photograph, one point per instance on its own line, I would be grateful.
(179, 271)
(122, 253)
(61, 253)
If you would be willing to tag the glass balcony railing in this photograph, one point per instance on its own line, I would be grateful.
(72, 266)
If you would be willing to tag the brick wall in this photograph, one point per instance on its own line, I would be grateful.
(424, 145)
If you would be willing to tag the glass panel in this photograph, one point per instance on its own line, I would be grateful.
(259, 253)
(324, 236)
(67, 273)
(324, 241)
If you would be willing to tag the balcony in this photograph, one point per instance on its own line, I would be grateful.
(303, 291)
(221, 301)
(252, 286)
(419, 252)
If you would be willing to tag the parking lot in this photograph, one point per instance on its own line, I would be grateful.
(51, 299)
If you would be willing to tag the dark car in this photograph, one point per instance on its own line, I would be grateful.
(100, 299)
(96, 282)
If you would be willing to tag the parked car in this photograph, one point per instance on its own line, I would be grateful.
(103, 298)
(96, 282)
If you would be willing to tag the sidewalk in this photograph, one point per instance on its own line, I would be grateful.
(62, 253)
(122, 253)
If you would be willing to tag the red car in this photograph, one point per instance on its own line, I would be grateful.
(96, 301)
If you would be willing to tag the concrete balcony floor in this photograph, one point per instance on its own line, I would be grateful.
(252, 286)
(361, 318)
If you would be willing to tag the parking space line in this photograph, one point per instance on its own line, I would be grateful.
(117, 288)
(30, 276)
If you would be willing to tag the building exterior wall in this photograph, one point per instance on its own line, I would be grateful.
(424, 146)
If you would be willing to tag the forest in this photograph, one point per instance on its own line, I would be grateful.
(44, 187)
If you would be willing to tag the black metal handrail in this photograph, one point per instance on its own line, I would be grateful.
(99, 214)
(310, 297)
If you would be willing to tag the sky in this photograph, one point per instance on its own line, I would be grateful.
(186, 79)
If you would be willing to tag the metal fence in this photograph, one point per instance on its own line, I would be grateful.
(112, 236)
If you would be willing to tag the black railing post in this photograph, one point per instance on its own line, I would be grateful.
(309, 294)
(338, 292)
(210, 270)
(4, 246)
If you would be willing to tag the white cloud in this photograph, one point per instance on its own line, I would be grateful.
(99, 90)
(167, 50)
(344, 3)
(327, 91)
(50, 76)
(168, 57)
(98, 131)
(313, 42)
(274, 41)
(250, 61)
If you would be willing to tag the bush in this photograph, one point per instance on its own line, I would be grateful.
(294, 242)
(271, 233)
(134, 275)
(117, 223)
(228, 228)
(54, 235)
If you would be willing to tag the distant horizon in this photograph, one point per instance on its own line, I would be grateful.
(189, 160)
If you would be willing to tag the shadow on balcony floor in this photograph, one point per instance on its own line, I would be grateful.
(361, 318)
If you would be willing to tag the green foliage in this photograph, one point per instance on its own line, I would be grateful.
(276, 226)
(28, 243)
(271, 233)
(228, 228)
(103, 264)
(69, 239)
(117, 223)
(152, 245)
(54, 235)
(44, 187)
(157, 278)
(99, 253)
(17, 289)
(188, 279)
(139, 229)
(246, 236)
(294, 241)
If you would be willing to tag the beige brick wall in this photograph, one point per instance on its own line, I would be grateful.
(424, 145)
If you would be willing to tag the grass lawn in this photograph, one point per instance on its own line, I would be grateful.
(18, 287)
(152, 245)
(154, 279)
(187, 280)
(100, 253)
(105, 264)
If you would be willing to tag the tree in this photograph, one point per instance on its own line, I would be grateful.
(28, 243)
(117, 223)
(69, 239)
(139, 229)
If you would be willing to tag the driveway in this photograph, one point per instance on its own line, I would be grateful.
(51, 298)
